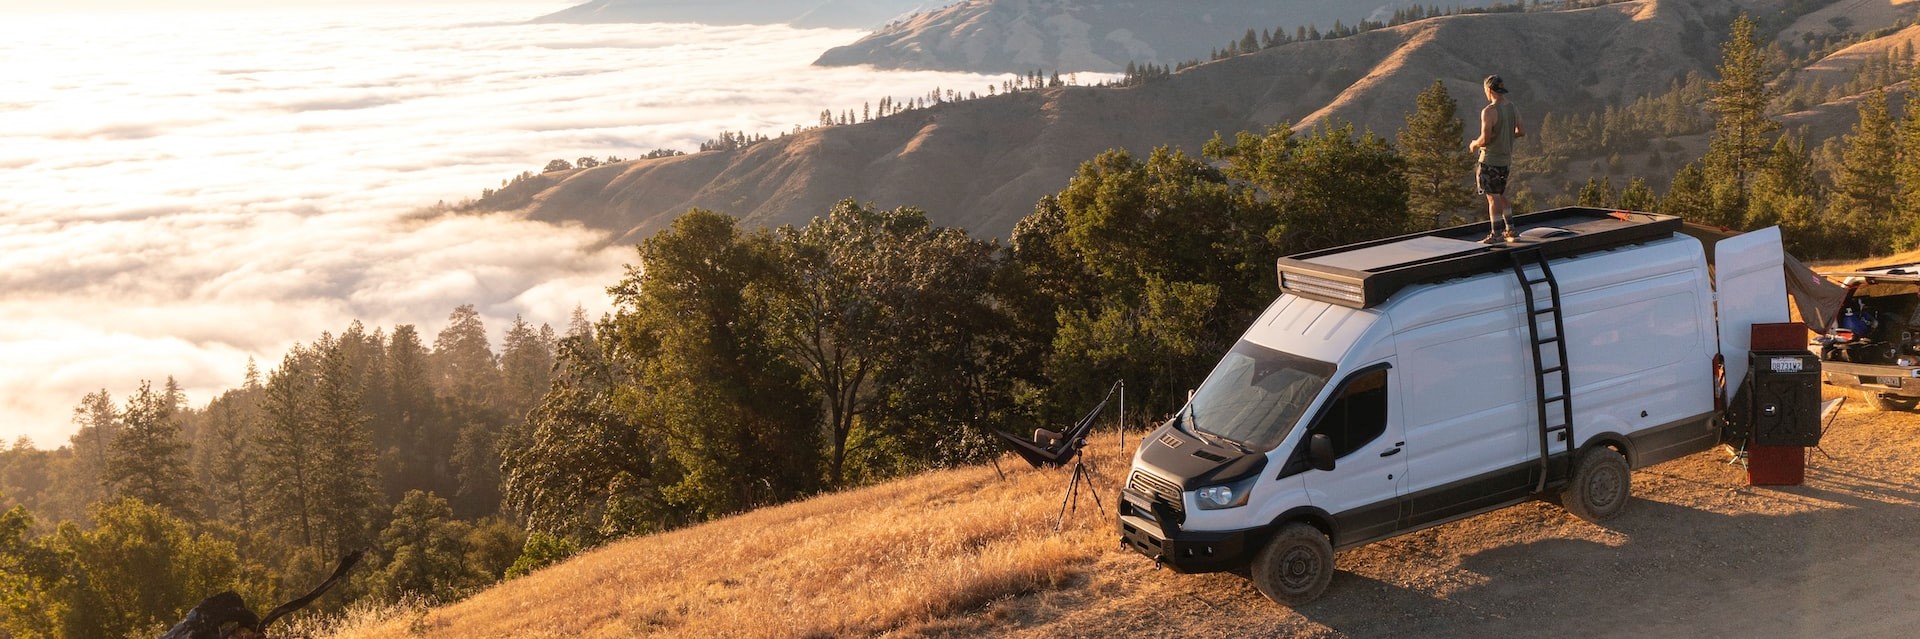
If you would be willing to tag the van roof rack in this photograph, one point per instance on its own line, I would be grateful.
(1366, 274)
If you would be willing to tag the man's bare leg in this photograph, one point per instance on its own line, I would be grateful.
(1504, 210)
(1495, 207)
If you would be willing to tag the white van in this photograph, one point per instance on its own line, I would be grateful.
(1417, 380)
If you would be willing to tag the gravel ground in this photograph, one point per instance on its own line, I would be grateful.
(1697, 553)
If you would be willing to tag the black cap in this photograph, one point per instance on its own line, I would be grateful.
(1495, 84)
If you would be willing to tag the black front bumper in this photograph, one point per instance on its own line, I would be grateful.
(1184, 550)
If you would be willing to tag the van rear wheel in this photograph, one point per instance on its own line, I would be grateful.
(1601, 483)
(1295, 567)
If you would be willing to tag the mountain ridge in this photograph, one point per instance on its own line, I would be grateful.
(1008, 36)
(799, 13)
(981, 164)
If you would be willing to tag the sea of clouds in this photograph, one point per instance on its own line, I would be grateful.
(183, 190)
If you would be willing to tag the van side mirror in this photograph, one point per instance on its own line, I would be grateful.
(1320, 451)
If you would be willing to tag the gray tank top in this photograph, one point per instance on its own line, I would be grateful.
(1500, 151)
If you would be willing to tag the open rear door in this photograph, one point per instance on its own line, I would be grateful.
(1750, 288)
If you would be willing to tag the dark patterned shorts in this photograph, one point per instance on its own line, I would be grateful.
(1492, 179)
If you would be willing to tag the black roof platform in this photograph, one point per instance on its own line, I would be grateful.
(1365, 274)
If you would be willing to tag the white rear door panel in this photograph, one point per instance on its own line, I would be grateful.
(1750, 288)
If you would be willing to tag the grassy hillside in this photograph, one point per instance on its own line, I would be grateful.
(981, 164)
(916, 556)
(1019, 36)
(807, 14)
(964, 553)
(1857, 16)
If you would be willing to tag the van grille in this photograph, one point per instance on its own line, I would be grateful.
(1159, 490)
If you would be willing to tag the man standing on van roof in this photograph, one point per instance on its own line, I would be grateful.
(1499, 125)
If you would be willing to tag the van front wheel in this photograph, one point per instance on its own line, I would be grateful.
(1601, 482)
(1296, 565)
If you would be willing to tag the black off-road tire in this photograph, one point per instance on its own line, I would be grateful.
(1600, 487)
(1295, 566)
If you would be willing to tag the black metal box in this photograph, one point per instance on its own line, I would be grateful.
(1784, 398)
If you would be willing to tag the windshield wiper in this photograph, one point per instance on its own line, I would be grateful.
(1193, 425)
(1213, 438)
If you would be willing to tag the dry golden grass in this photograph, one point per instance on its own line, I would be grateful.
(892, 558)
(962, 552)
(1844, 265)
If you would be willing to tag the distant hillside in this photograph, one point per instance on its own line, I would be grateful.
(981, 164)
(1851, 16)
(998, 36)
(1837, 68)
(799, 13)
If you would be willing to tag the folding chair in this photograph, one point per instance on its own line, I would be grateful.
(1829, 411)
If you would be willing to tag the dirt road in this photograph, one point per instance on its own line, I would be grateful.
(1698, 553)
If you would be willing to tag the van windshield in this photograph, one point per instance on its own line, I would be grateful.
(1255, 395)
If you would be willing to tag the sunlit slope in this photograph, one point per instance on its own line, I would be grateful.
(981, 164)
(906, 555)
(961, 553)
(1019, 36)
(1855, 16)
(809, 14)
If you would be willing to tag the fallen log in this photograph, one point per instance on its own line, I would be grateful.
(210, 619)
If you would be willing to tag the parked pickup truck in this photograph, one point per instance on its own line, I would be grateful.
(1874, 347)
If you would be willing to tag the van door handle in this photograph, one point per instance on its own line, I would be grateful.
(1390, 452)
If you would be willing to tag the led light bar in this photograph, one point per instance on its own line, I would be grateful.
(1321, 287)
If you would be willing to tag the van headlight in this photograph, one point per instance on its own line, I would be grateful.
(1233, 495)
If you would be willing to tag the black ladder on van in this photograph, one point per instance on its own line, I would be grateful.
(1537, 260)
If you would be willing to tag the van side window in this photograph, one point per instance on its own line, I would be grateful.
(1358, 415)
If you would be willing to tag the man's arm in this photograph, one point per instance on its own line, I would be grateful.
(1518, 131)
(1489, 118)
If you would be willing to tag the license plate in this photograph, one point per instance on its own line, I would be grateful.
(1786, 364)
(1889, 381)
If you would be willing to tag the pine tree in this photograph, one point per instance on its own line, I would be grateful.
(1785, 193)
(1437, 163)
(464, 366)
(1862, 202)
(1638, 196)
(1688, 196)
(421, 434)
(347, 486)
(289, 450)
(1742, 131)
(1598, 193)
(1907, 172)
(148, 461)
(577, 325)
(174, 396)
(1330, 186)
(99, 423)
(1788, 172)
(478, 419)
(526, 363)
(228, 457)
